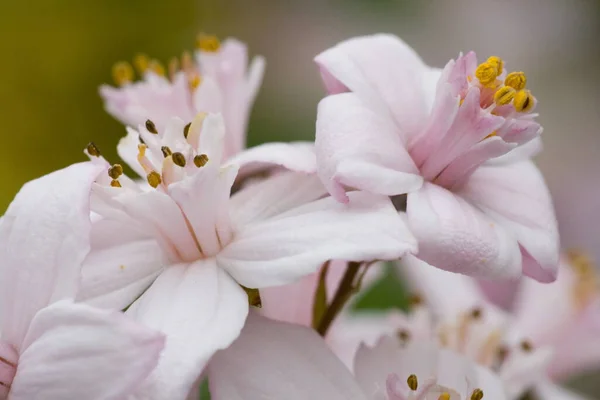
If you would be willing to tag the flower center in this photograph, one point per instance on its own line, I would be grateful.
(412, 390)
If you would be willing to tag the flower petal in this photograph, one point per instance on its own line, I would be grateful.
(384, 72)
(73, 351)
(201, 310)
(455, 236)
(288, 246)
(44, 238)
(276, 360)
(550, 391)
(358, 148)
(516, 197)
(120, 266)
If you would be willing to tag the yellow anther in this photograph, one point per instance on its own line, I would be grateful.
(209, 43)
(186, 61)
(92, 150)
(156, 67)
(486, 73)
(403, 335)
(516, 80)
(122, 73)
(497, 62)
(151, 127)
(200, 160)
(444, 396)
(504, 95)
(166, 151)
(115, 171)
(526, 346)
(178, 159)
(477, 394)
(476, 313)
(194, 81)
(173, 67)
(523, 101)
(115, 183)
(153, 179)
(413, 382)
(186, 129)
(491, 135)
(141, 63)
(415, 300)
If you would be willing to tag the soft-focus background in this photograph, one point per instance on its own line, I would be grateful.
(57, 52)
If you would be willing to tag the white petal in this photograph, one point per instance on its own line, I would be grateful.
(295, 156)
(201, 310)
(276, 360)
(73, 351)
(288, 246)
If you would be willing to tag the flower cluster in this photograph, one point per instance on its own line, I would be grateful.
(232, 265)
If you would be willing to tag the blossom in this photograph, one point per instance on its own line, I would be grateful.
(186, 247)
(278, 360)
(44, 238)
(552, 332)
(457, 140)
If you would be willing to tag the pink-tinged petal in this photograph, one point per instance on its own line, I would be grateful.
(385, 73)
(208, 97)
(122, 264)
(521, 370)
(470, 126)
(516, 197)
(455, 236)
(295, 156)
(201, 310)
(519, 131)
(520, 153)
(277, 194)
(128, 151)
(499, 293)
(73, 351)
(358, 148)
(204, 199)
(550, 391)
(254, 77)
(276, 360)
(210, 130)
(44, 238)
(445, 292)
(288, 246)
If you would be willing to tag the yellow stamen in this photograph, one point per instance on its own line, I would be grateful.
(154, 179)
(208, 43)
(151, 127)
(504, 95)
(156, 67)
(141, 63)
(166, 151)
(491, 135)
(486, 73)
(476, 313)
(412, 382)
(444, 396)
(200, 160)
(497, 62)
(194, 81)
(415, 300)
(122, 73)
(115, 171)
(178, 159)
(526, 346)
(115, 183)
(186, 129)
(477, 394)
(403, 335)
(516, 80)
(586, 282)
(186, 61)
(92, 150)
(173, 67)
(523, 101)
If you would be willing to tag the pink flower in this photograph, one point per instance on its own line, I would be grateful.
(187, 246)
(456, 140)
(553, 330)
(50, 347)
(277, 360)
(218, 81)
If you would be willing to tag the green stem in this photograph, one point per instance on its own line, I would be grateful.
(342, 295)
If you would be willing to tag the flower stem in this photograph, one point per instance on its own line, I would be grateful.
(342, 295)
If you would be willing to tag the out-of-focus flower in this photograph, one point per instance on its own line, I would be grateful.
(282, 361)
(218, 80)
(553, 329)
(456, 140)
(44, 238)
(187, 246)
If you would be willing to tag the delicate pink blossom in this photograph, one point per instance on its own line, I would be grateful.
(456, 140)
(50, 347)
(278, 360)
(553, 329)
(187, 246)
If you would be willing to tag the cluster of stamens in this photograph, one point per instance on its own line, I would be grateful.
(124, 73)
(413, 384)
(511, 90)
